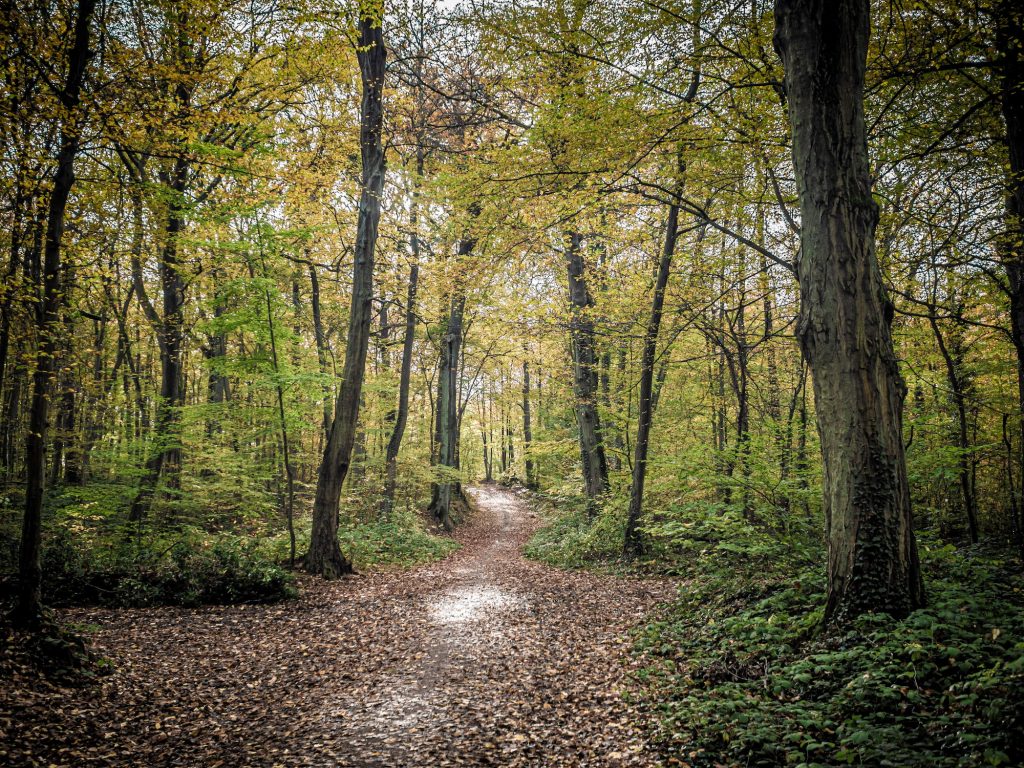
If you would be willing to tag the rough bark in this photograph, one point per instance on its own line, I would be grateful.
(28, 609)
(1009, 44)
(585, 377)
(845, 315)
(324, 556)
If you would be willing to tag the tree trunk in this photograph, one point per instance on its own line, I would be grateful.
(165, 459)
(402, 413)
(845, 316)
(28, 610)
(957, 380)
(324, 556)
(633, 544)
(1009, 43)
(445, 488)
(321, 345)
(531, 479)
(585, 378)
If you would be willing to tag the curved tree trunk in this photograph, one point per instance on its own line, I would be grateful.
(324, 557)
(845, 314)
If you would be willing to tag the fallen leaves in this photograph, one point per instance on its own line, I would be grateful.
(482, 659)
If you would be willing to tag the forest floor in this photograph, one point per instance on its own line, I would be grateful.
(484, 658)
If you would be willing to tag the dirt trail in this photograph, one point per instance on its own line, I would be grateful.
(482, 659)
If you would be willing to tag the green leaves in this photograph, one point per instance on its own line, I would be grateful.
(762, 686)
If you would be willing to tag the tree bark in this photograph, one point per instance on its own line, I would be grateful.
(28, 610)
(585, 377)
(321, 345)
(445, 489)
(958, 382)
(324, 556)
(531, 480)
(845, 315)
(1009, 42)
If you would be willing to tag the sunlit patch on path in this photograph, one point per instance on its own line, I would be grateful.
(482, 659)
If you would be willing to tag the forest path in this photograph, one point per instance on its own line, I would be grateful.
(484, 658)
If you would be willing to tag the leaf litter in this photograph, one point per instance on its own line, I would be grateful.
(482, 659)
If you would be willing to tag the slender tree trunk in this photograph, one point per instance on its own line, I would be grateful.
(321, 345)
(28, 610)
(165, 459)
(956, 379)
(585, 377)
(531, 478)
(405, 377)
(289, 510)
(324, 556)
(633, 544)
(845, 315)
(445, 488)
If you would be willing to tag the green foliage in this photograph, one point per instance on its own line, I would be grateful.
(570, 539)
(673, 537)
(189, 568)
(740, 672)
(401, 540)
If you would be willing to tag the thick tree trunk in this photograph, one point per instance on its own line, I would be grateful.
(1009, 44)
(585, 377)
(633, 544)
(845, 314)
(324, 556)
(28, 610)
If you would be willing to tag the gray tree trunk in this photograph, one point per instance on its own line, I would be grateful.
(633, 544)
(324, 557)
(445, 489)
(402, 413)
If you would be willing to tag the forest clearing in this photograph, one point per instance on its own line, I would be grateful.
(512, 382)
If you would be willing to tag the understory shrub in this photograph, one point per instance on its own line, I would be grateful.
(190, 568)
(401, 540)
(739, 671)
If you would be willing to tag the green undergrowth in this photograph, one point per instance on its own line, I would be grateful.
(739, 671)
(570, 538)
(401, 541)
(187, 567)
(90, 556)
